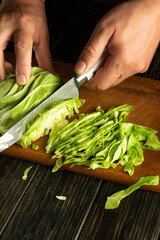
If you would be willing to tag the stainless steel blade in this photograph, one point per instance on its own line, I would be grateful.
(67, 91)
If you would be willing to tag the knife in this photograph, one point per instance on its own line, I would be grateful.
(67, 91)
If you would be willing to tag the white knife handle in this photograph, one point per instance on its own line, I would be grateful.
(87, 76)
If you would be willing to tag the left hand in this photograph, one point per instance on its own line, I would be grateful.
(24, 22)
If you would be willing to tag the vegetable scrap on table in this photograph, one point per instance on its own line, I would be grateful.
(114, 200)
(24, 177)
(63, 198)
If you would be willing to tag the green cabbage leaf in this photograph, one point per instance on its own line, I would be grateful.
(113, 201)
(50, 121)
(16, 101)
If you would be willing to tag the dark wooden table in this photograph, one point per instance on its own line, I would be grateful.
(29, 209)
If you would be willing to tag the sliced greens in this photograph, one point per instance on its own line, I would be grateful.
(102, 140)
(114, 200)
(16, 101)
(26, 173)
(49, 122)
(63, 198)
(34, 147)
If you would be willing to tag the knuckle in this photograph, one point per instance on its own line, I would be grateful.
(104, 85)
(101, 26)
(101, 87)
(22, 64)
(20, 67)
(4, 18)
(140, 67)
(49, 59)
(127, 61)
(122, 66)
(24, 19)
(137, 65)
(21, 44)
(91, 51)
(143, 67)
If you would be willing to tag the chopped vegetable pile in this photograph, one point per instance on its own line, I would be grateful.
(103, 140)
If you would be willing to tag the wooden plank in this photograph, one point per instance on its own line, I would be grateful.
(40, 215)
(143, 94)
(136, 218)
(12, 187)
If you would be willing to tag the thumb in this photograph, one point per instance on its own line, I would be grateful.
(94, 48)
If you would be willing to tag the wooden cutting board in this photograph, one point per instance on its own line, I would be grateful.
(143, 94)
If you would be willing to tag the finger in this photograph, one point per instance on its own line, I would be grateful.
(23, 49)
(5, 35)
(2, 66)
(109, 75)
(94, 48)
(8, 66)
(43, 55)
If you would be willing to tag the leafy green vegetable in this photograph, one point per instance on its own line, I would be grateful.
(16, 101)
(114, 200)
(103, 140)
(50, 121)
(34, 147)
(26, 172)
(63, 198)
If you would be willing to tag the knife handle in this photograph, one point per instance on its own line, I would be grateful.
(80, 79)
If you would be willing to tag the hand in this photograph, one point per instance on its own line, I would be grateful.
(131, 33)
(24, 22)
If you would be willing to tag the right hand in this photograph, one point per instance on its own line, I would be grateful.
(24, 22)
(131, 34)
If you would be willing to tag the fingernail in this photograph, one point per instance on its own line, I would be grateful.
(80, 66)
(21, 79)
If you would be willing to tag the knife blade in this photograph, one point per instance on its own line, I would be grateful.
(67, 91)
